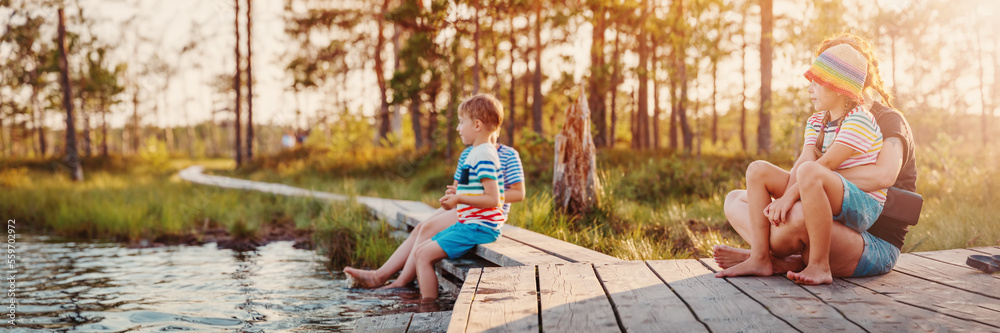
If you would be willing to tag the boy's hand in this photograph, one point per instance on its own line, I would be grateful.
(448, 202)
(452, 189)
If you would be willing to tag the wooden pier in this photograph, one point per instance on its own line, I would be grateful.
(926, 292)
(543, 284)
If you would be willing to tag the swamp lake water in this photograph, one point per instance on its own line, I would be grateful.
(106, 287)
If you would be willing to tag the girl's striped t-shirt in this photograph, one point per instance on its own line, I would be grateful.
(513, 171)
(858, 131)
(481, 163)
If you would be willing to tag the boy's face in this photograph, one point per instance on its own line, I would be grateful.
(467, 129)
(823, 98)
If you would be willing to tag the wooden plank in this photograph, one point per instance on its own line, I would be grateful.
(918, 292)
(570, 251)
(396, 323)
(643, 302)
(790, 302)
(414, 218)
(506, 300)
(572, 300)
(429, 322)
(507, 252)
(950, 274)
(716, 302)
(990, 250)
(877, 312)
(463, 303)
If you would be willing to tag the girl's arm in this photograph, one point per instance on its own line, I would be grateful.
(835, 156)
(515, 193)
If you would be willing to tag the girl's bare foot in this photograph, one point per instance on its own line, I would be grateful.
(751, 266)
(812, 275)
(728, 256)
(364, 278)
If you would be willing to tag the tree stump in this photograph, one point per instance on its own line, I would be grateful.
(575, 186)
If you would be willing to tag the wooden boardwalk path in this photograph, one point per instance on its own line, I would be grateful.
(926, 292)
(550, 285)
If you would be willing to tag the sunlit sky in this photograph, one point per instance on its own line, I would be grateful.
(167, 26)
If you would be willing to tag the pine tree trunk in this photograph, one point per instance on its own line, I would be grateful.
(87, 143)
(766, 54)
(415, 120)
(475, 51)
(743, 72)
(537, 100)
(512, 119)
(104, 127)
(382, 119)
(715, 112)
(598, 77)
(614, 93)
(639, 137)
(136, 130)
(42, 144)
(250, 134)
(237, 85)
(72, 156)
(656, 98)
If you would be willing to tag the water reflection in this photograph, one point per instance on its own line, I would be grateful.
(69, 286)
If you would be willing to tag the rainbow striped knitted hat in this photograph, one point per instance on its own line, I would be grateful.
(841, 68)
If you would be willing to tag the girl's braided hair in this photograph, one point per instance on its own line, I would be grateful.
(873, 79)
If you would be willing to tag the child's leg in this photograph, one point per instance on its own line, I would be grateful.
(822, 193)
(764, 180)
(427, 255)
(440, 220)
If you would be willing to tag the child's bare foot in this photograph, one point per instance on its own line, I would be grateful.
(751, 266)
(393, 285)
(813, 274)
(728, 256)
(364, 278)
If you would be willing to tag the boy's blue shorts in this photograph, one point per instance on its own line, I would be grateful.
(858, 212)
(459, 238)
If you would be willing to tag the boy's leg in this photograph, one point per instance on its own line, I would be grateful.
(763, 180)
(427, 255)
(822, 194)
(424, 230)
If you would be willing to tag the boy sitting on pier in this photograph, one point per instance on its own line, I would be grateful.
(478, 198)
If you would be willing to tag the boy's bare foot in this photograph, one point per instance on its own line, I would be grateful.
(728, 256)
(364, 278)
(751, 266)
(392, 285)
(812, 275)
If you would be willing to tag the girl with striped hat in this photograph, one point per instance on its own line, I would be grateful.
(841, 134)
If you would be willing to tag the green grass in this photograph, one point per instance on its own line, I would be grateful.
(135, 200)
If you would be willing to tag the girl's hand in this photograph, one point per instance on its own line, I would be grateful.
(452, 189)
(777, 210)
(449, 201)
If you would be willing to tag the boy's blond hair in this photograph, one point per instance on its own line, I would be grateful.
(485, 108)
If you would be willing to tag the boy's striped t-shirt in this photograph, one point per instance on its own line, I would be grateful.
(481, 163)
(513, 171)
(858, 131)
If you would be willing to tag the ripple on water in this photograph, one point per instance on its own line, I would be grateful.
(105, 287)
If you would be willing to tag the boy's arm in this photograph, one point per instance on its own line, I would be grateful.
(883, 173)
(490, 197)
(515, 193)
